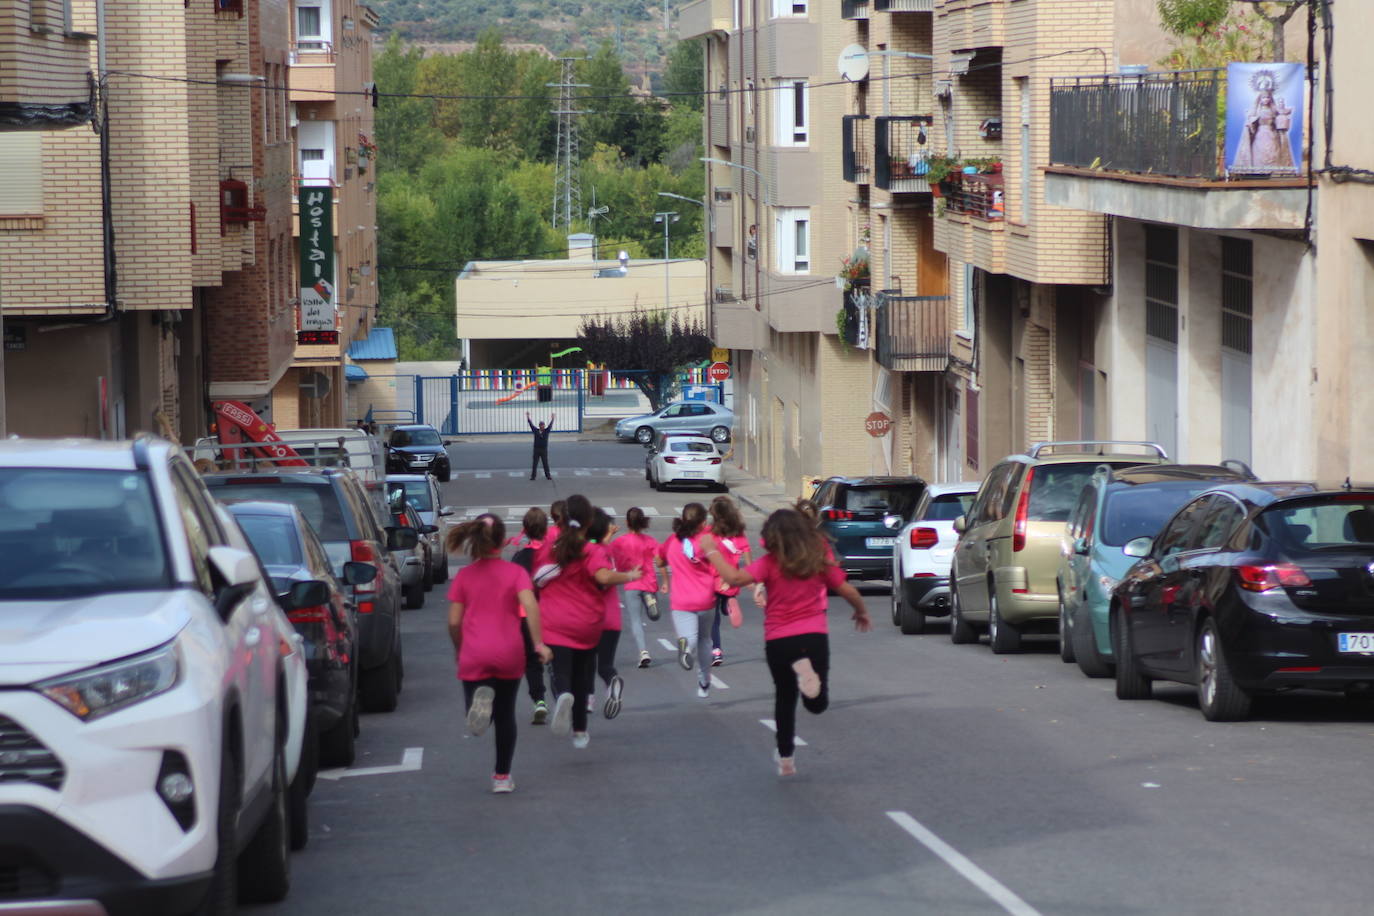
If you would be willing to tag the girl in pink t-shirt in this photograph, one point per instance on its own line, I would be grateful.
(728, 529)
(631, 549)
(692, 593)
(600, 532)
(529, 546)
(797, 572)
(574, 606)
(486, 599)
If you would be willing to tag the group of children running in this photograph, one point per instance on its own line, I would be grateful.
(556, 603)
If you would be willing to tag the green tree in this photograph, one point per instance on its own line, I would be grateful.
(1191, 18)
(649, 348)
(406, 136)
(616, 118)
(683, 77)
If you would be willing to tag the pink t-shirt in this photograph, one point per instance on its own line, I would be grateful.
(733, 550)
(572, 606)
(493, 644)
(637, 549)
(693, 582)
(794, 606)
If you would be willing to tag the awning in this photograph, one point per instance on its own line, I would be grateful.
(380, 343)
(354, 373)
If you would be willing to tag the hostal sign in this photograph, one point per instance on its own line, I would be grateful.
(317, 258)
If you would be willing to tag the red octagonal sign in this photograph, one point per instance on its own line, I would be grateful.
(877, 424)
(718, 372)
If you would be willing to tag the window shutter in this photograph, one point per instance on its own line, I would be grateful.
(21, 180)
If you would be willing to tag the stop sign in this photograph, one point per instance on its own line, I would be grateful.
(718, 372)
(877, 424)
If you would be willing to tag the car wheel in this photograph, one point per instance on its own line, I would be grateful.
(1218, 695)
(444, 477)
(1065, 632)
(1090, 661)
(378, 687)
(644, 435)
(960, 633)
(441, 570)
(414, 595)
(303, 783)
(265, 864)
(720, 434)
(338, 744)
(913, 621)
(399, 657)
(1130, 683)
(221, 897)
(897, 598)
(427, 580)
(1002, 636)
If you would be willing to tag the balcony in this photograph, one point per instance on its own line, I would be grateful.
(309, 53)
(912, 332)
(1150, 146)
(853, 9)
(723, 218)
(704, 17)
(979, 196)
(719, 114)
(857, 154)
(904, 6)
(968, 24)
(899, 151)
(736, 325)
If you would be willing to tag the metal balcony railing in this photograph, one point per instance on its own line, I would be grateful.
(853, 9)
(979, 196)
(904, 6)
(856, 155)
(912, 332)
(900, 147)
(311, 51)
(724, 294)
(1152, 123)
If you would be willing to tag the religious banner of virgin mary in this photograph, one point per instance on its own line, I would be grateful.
(1265, 118)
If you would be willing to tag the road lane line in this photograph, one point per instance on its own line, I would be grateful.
(772, 726)
(582, 472)
(411, 760)
(961, 863)
(717, 682)
(615, 473)
(482, 474)
(667, 645)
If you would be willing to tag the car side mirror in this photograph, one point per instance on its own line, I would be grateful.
(1080, 546)
(447, 442)
(311, 593)
(355, 573)
(1138, 547)
(428, 529)
(402, 538)
(447, 511)
(892, 522)
(960, 524)
(239, 570)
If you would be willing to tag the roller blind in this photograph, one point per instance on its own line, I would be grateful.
(21, 179)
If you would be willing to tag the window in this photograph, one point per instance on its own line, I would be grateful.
(1176, 537)
(790, 108)
(310, 35)
(793, 240)
(21, 180)
(1221, 520)
(789, 8)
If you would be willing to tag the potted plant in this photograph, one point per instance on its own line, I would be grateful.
(940, 169)
(854, 270)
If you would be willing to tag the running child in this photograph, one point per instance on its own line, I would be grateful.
(692, 596)
(601, 531)
(486, 601)
(530, 541)
(796, 571)
(631, 549)
(728, 529)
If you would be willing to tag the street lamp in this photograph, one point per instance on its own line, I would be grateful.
(744, 168)
(667, 218)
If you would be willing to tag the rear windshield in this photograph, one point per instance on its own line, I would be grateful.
(1331, 524)
(949, 506)
(404, 437)
(317, 502)
(1055, 488)
(881, 500)
(1141, 511)
(416, 492)
(691, 447)
(273, 537)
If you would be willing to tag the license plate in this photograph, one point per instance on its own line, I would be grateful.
(1356, 642)
(879, 542)
(692, 473)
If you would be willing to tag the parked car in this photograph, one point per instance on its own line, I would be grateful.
(143, 715)
(852, 510)
(1006, 564)
(685, 458)
(1251, 588)
(1116, 507)
(417, 572)
(324, 617)
(923, 552)
(714, 420)
(418, 449)
(334, 503)
(422, 491)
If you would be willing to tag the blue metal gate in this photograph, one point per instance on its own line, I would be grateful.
(495, 402)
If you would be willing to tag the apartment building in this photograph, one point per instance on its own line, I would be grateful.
(333, 185)
(134, 253)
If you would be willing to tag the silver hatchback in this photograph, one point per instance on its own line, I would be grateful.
(714, 420)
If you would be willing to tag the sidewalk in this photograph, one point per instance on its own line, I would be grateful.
(761, 495)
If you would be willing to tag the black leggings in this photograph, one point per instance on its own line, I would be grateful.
(540, 454)
(605, 655)
(534, 668)
(781, 653)
(502, 716)
(574, 671)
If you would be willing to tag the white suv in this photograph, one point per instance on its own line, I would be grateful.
(923, 552)
(143, 712)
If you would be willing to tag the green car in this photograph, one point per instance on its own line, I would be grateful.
(1115, 507)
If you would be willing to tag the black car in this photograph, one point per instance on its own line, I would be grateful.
(1251, 588)
(418, 449)
(320, 608)
(335, 504)
(852, 511)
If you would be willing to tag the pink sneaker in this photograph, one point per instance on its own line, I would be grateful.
(808, 681)
(787, 766)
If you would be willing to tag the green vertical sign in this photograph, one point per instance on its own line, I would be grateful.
(317, 258)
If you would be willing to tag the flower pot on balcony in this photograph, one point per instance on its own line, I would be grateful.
(935, 191)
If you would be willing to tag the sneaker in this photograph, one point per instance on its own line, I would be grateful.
(502, 784)
(703, 690)
(591, 702)
(541, 713)
(684, 654)
(651, 605)
(479, 713)
(562, 714)
(808, 681)
(644, 660)
(717, 658)
(787, 766)
(581, 740)
(612, 707)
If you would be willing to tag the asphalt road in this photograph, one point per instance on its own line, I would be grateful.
(942, 780)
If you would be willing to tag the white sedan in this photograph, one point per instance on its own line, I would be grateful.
(684, 459)
(923, 552)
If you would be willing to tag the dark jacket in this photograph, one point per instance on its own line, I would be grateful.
(541, 436)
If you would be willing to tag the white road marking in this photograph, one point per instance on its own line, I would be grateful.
(717, 682)
(772, 726)
(411, 761)
(582, 472)
(667, 645)
(515, 473)
(961, 863)
(481, 474)
(616, 473)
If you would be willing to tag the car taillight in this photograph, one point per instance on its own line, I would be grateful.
(715, 461)
(669, 459)
(837, 515)
(1018, 531)
(1277, 575)
(364, 552)
(317, 614)
(366, 607)
(923, 538)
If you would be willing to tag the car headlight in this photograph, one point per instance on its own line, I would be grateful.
(100, 691)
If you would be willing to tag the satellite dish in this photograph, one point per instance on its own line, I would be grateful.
(853, 63)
